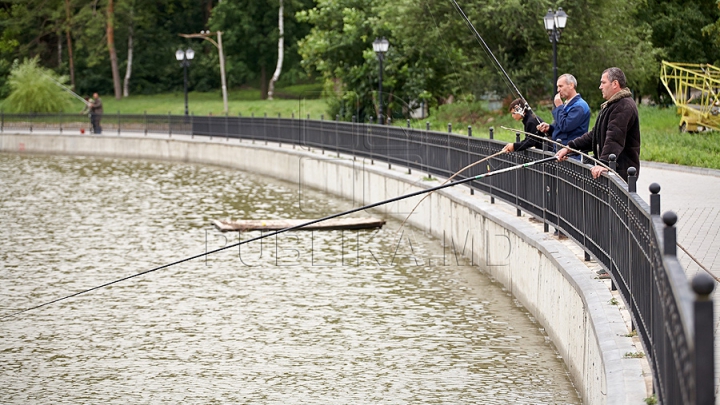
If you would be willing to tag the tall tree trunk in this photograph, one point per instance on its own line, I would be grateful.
(111, 48)
(128, 71)
(278, 68)
(263, 83)
(69, 44)
(207, 12)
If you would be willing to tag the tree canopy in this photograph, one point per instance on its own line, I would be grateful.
(433, 57)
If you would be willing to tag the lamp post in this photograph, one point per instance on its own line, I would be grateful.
(380, 46)
(184, 57)
(554, 24)
(206, 35)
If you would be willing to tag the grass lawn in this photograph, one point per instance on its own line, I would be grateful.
(661, 140)
(300, 100)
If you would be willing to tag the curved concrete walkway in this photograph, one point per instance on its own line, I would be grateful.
(694, 195)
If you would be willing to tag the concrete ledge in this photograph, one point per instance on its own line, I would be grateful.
(546, 277)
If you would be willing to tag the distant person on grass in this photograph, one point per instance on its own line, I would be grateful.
(616, 130)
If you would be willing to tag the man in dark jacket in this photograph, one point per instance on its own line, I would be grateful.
(96, 111)
(617, 129)
(519, 111)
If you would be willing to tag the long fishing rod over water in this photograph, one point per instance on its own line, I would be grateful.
(69, 90)
(391, 200)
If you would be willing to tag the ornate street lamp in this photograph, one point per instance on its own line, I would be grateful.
(380, 46)
(554, 24)
(184, 57)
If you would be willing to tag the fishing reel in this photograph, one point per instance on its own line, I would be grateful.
(519, 109)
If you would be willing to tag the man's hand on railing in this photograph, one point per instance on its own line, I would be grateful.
(598, 171)
(561, 155)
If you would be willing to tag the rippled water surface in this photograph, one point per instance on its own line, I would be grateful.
(361, 317)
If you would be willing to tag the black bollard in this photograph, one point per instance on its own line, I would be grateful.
(632, 180)
(669, 233)
(703, 285)
(654, 199)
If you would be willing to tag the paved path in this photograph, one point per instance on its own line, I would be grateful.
(694, 195)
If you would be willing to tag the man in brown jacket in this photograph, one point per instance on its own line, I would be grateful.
(616, 130)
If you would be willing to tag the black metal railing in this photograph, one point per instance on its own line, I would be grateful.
(604, 216)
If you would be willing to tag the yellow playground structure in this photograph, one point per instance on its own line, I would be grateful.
(694, 88)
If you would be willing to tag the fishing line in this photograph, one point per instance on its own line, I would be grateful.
(373, 205)
(450, 178)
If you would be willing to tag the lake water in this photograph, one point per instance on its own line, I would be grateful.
(353, 317)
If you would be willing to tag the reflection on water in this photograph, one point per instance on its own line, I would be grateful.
(309, 317)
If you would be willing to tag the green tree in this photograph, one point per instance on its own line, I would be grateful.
(35, 89)
(250, 38)
(682, 31)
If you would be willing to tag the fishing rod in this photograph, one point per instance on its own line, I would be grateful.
(64, 87)
(487, 49)
(373, 205)
(446, 181)
(593, 159)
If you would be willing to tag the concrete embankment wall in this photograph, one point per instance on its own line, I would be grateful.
(546, 277)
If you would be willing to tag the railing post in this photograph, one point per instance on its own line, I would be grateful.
(449, 128)
(669, 234)
(60, 121)
(354, 134)
(427, 125)
(654, 199)
(118, 115)
(2, 121)
(613, 162)
(492, 199)
(408, 123)
(469, 131)
(632, 180)
(703, 285)
(372, 140)
(145, 120)
(192, 125)
(517, 181)
(169, 126)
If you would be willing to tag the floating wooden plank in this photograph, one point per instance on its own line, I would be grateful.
(277, 224)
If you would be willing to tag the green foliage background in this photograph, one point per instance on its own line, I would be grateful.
(34, 89)
(433, 58)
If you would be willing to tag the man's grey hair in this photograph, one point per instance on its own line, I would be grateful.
(614, 73)
(569, 79)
